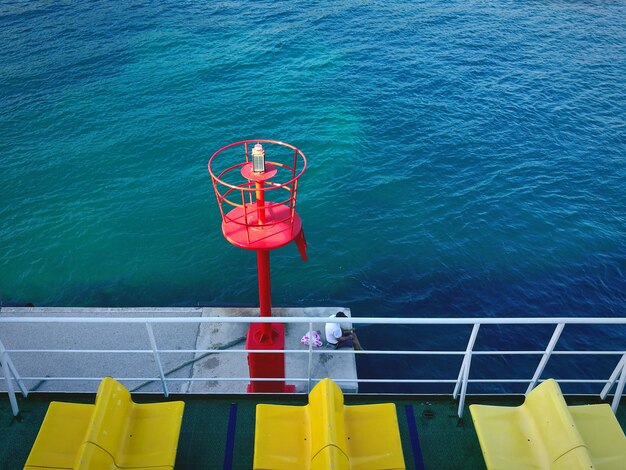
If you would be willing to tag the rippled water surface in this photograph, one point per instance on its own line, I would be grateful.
(466, 157)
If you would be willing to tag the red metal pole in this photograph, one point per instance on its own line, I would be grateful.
(265, 296)
(263, 268)
(266, 336)
(260, 201)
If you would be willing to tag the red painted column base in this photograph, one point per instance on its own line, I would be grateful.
(267, 365)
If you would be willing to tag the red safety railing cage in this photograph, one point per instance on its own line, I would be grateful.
(258, 209)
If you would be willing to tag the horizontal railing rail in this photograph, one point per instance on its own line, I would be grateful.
(617, 378)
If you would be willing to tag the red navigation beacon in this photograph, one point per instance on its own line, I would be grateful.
(257, 201)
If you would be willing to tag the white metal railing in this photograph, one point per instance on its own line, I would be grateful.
(618, 376)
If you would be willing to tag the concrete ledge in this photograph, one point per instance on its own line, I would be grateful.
(225, 336)
(232, 337)
(77, 336)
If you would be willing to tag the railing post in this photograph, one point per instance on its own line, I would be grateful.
(616, 372)
(13, 370)
(620, 370)
(8, 379)
(157, 358)
(310, 356)
(546, 357)
(619, 390)
(465, 367)
(17, 377)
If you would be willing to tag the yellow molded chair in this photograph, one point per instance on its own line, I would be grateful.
(136, 435)
(602, 434)
(545, 433)
(535, 434)
(282, 437)
(326, 434)
(60, 436)
(373, 437)
(113, 433)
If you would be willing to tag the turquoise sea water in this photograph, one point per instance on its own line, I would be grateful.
(465, 157)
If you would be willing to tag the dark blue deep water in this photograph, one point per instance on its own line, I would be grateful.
(467, 158)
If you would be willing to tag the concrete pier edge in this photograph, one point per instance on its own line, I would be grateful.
(192, 336)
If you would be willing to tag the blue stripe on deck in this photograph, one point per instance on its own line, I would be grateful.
(230, 437)
(418, 459)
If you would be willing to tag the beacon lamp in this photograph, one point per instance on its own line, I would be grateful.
(258, 159)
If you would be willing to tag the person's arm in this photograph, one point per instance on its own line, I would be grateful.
(345, 336)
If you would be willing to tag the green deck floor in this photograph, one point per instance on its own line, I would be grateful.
(445, 442)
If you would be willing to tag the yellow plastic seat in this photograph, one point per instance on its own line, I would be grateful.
(533, 435)
(602, 434)
(545, 433)
(282, 437)
(326, 434)
(373, 437)
(136, 435)
(113, 433)
(60, 435)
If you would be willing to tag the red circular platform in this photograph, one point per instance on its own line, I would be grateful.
(241, 226)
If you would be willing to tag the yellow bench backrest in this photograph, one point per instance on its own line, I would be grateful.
(110, 416)
(326, 411)
(553, 422)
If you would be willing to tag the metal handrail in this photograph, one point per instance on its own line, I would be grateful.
(618, 376)
(357, 320)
